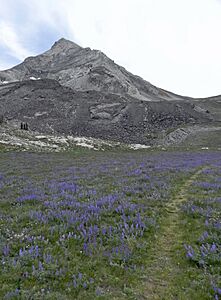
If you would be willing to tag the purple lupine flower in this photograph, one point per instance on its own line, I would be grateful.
(33, 268)
(217, 290)
(75, 283)
(213, 248)
(21, 252)
(40, 266)
(6, 250)
(189, 251)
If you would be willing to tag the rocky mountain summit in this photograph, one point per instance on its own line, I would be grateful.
(77, 91)
(83, 69)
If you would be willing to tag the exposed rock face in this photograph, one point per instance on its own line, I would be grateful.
(84, 69)
(79, 91)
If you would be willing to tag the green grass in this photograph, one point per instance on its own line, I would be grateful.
(156, 269)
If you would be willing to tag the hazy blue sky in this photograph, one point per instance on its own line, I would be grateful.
(174, 44)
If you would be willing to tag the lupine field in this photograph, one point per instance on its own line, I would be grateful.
(100, 225)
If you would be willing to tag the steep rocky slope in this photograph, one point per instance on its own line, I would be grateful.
(77, 91)
(84, 69)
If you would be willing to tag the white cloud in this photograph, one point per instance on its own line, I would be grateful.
(4, 65)
(174, 44)
(9, 39)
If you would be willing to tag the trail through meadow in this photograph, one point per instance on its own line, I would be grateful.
(165, 265)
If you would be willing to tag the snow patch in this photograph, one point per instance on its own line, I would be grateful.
(40, 137)
(85, 145)
(138, 146)
(38, 113)
(84, 142)
(34, 78)
(10, 143)
(58, 139)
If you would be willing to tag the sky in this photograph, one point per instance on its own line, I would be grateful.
(174, 44)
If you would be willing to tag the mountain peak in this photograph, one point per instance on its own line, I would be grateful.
(63, 43)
